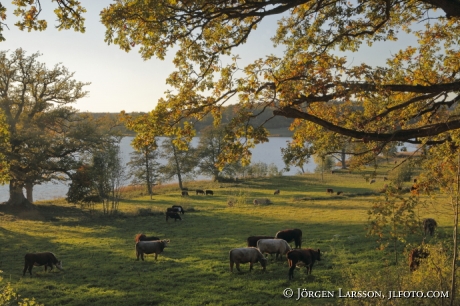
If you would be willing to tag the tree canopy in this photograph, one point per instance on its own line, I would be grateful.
(412, 98)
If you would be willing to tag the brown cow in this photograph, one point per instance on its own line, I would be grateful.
(291, 234)
(414, 257)
(142, 237)
(277, 191)
(429, 225)
(330, 190)
(307, 256)
(252, 240)
(39, 259)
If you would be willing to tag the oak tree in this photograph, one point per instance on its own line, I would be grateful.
(45, 134)
(412, 98)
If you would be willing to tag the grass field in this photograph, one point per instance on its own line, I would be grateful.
(101, 268)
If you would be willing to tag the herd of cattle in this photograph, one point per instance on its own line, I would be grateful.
(198, 191)
(257, 247)
(253, 253)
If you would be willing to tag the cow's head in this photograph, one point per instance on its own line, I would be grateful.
(263, 262)
(165, 242)
(59, 265)
(318, 255)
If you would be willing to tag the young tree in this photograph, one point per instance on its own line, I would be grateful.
(210, 146)
(441, 172)
(323, 163)
(295, 155)
(100, 176)
(393, 218)
(179, 162)
(45, 133)
(109, 175)
(143, 167)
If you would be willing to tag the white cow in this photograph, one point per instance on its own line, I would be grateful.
(273, 246)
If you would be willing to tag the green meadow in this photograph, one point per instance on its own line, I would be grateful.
(100, 266)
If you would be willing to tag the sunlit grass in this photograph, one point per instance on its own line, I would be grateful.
(99, 257)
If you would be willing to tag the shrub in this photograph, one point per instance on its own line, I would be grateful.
(401, 174)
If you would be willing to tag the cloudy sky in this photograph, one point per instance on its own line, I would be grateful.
(120, 80)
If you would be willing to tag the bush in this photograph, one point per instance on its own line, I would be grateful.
(9, 297)
(401, 174)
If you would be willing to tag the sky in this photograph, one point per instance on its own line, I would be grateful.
(120, 80)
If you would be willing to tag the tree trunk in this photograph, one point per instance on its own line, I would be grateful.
(147, 173)
(178, 168)
(17, 195)
(343, 159)
(455, 207)
(29, 192)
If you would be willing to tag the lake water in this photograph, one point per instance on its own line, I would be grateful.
(269, 152)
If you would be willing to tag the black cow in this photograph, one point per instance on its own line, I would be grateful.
(172, 215)
(210, 192)
(291, 234)
(39, 259)
(184, 193)
(199, 191)
(307, 256)
(179, 209)
(429, 225)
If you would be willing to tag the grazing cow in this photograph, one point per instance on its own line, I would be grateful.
(414, 257)
(273, 246)
(39, 259)
(173, 215)
(179, 209)
(307, 256)
(210, 192)
(372, 182)
(150, 247)
(339, 192)
(330, 190)
(184, 193)
(291, 234)
(172, 209)
(245, 255)
(429, 225)
(277, 191)
(261, 202)
(199, 191)
(142, 237)
(252, 240)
